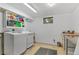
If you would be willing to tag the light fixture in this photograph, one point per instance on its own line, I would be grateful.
(30, 7)
(50, 4)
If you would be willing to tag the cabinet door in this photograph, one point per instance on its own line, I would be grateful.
(30, 40)
(19, 44)
(8, 44)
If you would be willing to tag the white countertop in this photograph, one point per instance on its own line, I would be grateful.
(17, 33)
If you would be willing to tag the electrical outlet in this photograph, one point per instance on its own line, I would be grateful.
(54, 41)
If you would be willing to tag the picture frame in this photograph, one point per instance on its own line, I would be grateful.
(48, 20)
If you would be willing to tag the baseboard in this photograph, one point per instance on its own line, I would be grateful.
(26, 50)
(46, 43)
(23, 52)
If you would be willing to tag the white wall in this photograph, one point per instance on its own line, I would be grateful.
(9, 7)
(1, 27)
(46, 33)
(75, 17)
(1, 23)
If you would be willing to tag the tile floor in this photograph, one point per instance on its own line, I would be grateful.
(36, 46)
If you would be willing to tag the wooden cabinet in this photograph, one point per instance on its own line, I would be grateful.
(70, 41)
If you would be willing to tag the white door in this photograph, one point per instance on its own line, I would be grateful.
(30, 40)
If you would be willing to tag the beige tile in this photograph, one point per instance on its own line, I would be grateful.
(36, 46)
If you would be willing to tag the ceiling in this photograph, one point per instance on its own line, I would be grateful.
(44, 10)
